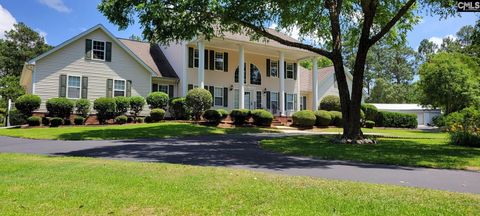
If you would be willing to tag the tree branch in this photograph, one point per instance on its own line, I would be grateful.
(392, 22)
(261, 31)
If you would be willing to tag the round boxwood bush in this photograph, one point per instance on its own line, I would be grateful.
(122, 104)
(323, 118)
(337, 119)
(212, 116)
(136, 105)
(330, 103)
(157, 115)
(45, 121)
(223, 112)
(178, 108)
(139, 120)
(370, 111)
(240, 116)
(121, 119)
(82, 107)
(26, 104)
(369, 124)
(105, 108)
(262, 117)
(304, 118)
(34, 121)
(60, 107)
(55, 122)
(157, 100)
(198, 100)
(79, 120)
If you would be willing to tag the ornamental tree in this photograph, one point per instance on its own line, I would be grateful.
(328, 27)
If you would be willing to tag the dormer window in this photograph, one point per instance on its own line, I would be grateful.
(98, 50)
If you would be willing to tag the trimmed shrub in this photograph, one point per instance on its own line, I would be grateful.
(370, 111)
(262, 117)
(157, 115)
(121, 119)
(178, 108)
(369, 124)
(330, 103)
(304, 118)
(28, 103)
(105, 108)
(212, 116)
(122, 104)
(136, 105)
(157, 100)
(56, 121)
(139, 120)
(79, 120)
(45, 121)
(60, 107)
(337, 118)
(323, 118)
(395, 119)
(17, 118)
(34, 121)
(223, 112)
(198, 100)
(240, 116)
(82, 107)
(148, 119)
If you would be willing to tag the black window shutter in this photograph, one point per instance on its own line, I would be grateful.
(212, 60)
(129, 88)
(225, 97)
(205, 57)
(154, 87)
(170, 91)
(62, 91)
(212, 91)
(245, 73)
(88, 49)
(109, 88)
(190, 87)
(225, 62)
(295, 71)
(285, 100)
(108, 50)
(190, 57)
(84, 87)
(205, 87)
(236, 75)
(268, 67)
(268, 99)
(284, 69)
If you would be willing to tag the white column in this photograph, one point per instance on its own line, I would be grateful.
(201, 64)
(315, 84)
(184, 78)
(241, 80)
(298, 87)
(282, 83)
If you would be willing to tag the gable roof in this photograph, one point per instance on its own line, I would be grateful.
(153, 57)
(109, 34)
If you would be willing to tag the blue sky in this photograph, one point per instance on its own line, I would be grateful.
(60, 20)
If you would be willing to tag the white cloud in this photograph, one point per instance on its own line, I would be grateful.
(57, 5)
(6, 21)
(42, 33)
(438, 41)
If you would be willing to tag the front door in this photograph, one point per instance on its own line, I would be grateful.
(247, 100)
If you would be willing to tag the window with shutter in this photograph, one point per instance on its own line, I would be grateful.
(74, 84)
(84, 87)
(62, 92)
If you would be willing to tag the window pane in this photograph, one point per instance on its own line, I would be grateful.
(218, 93)
(290, 71)
(255, 75)
(118, 93)
(73, 92)
(98, 50)
(163, 88)
(73, 81)
(218, 61)
(119, 85)
(273, 69)
(195, 58)
(259, 100)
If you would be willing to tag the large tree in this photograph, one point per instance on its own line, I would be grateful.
(358, 24)
(20, 45)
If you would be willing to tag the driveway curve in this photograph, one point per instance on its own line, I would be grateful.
(243, 151)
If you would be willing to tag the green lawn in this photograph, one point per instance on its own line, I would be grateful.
(79, 186)
(415, 148)
(131, 131)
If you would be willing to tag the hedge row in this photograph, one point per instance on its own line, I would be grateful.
(394, 119)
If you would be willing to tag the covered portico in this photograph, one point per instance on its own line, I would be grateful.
(277, 89)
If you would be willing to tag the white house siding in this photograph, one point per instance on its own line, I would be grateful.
(176, 54)
(70, 61)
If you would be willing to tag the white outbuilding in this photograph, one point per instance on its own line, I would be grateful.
(424, 115)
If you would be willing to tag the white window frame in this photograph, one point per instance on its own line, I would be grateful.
(215, 96)
(124, 90)
(292, 70)
(219, 60)
(196, 58)
(104, 50)
(292, 102)
(272, 67)
(79, 88)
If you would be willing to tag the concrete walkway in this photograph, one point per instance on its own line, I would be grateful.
(242, 151)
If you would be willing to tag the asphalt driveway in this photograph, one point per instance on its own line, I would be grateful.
(242, 151)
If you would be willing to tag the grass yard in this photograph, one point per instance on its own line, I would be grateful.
(79, 186)
(401, 147)
(131, 131)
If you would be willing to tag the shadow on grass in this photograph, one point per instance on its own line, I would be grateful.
(405, 152)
